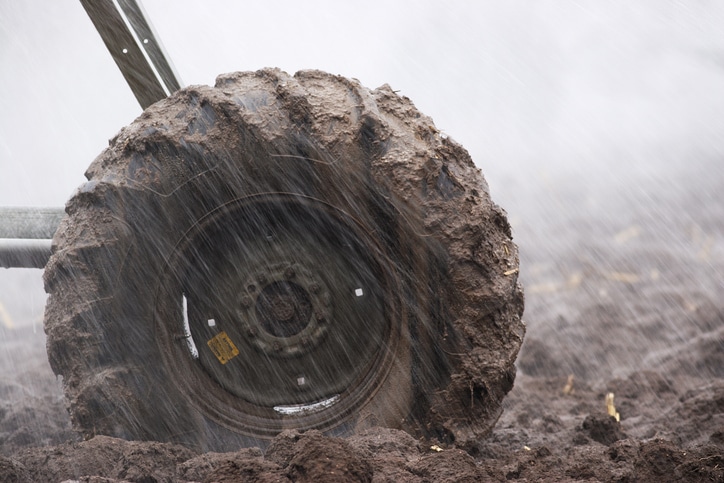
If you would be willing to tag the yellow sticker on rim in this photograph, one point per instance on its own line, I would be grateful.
(222, 347)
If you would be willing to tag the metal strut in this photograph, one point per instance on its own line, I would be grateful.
(25, 233)
(130, 39)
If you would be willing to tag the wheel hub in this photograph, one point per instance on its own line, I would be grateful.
(277, 309)
(287, 313)
(285, 309)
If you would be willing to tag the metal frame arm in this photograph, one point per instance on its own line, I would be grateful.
(25, 233)
(138, 54)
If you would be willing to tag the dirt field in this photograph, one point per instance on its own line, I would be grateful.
(623, 295)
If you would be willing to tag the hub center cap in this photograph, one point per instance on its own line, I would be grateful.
(283, 309)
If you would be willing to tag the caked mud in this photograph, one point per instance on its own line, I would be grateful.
(671, 429)
(283, 252)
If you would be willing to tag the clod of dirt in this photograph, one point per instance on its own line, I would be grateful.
(451, 466)
(661, 461)
(105, 457)
(12, 471)
(321, 459)
(240, 470)
(603, 428)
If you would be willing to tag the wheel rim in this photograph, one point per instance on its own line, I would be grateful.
(276, 311)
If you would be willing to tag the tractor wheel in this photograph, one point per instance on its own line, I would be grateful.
(283, 252)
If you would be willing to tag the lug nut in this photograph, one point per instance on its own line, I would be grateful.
(314, 288)
(246, 301)
(290, 272)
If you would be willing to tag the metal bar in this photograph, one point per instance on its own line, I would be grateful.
(25, 235)
(18, 253)
(139, 62)
(35, 223)
(153, 47)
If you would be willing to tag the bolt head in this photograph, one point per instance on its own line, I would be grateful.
(246, 301)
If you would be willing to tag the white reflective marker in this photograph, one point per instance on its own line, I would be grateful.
(187, 330)
(359, 292)
(300, 408)
(301, 381)
(212, 323)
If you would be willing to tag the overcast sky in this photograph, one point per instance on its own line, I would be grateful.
(555, 85)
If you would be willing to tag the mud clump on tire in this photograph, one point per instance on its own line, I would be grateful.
(196, 185)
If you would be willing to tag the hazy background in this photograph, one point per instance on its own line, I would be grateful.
(574, 110)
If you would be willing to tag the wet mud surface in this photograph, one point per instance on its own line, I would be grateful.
(623, 296)
(553, 428)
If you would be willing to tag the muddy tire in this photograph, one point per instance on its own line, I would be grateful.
(283, 252)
